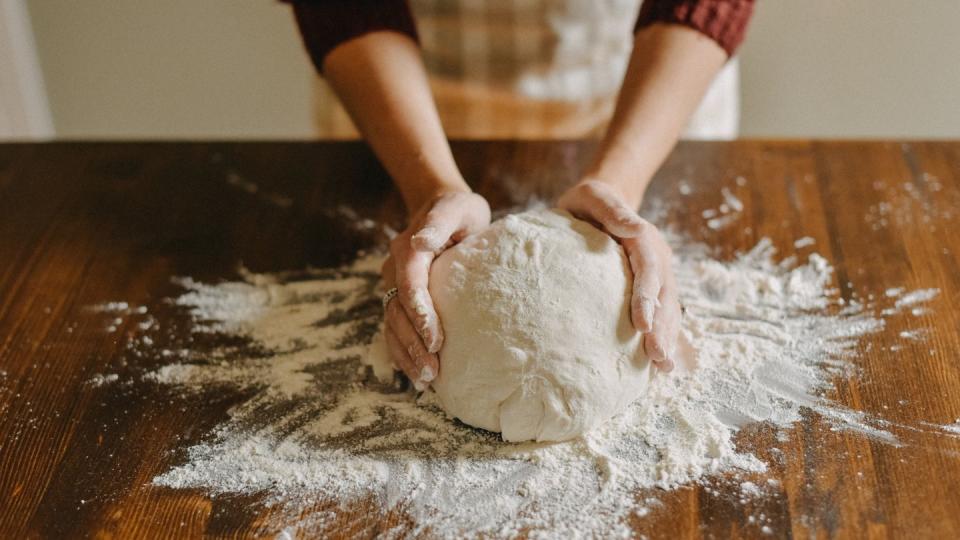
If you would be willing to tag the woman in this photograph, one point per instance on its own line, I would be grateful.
(368, 52)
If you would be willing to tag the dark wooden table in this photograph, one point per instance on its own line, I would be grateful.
(84, 223)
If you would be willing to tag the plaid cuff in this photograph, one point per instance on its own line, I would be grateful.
(325, 24)
(724, 21)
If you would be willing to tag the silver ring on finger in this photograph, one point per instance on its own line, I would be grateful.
(388, 296)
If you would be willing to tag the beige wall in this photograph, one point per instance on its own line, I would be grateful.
(852, 68)
(235, 68)
(173, 68)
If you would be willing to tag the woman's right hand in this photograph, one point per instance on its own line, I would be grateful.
(412, 328)
(654, 305)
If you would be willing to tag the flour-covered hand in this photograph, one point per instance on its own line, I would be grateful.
(654, 305)
(413, 331)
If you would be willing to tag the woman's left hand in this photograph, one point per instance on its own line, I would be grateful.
(654, 306)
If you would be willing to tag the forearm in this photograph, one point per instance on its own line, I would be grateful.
(381, 80)
(670, 70)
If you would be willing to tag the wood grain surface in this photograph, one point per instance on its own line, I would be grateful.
(86, 223)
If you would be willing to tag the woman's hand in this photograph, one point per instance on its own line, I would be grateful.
(413, 331)
(654, 307)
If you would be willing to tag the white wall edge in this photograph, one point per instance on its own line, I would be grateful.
(24, 109)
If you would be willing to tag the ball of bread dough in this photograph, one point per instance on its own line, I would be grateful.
(538, 339)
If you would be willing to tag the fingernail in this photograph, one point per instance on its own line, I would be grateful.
(420, 386)
(427, 374)
(653, 348)
(429, 336)
(665, 365)
(427, 325)
(436, 342)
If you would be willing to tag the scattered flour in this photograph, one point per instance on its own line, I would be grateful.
(729, 211)
(235, 179)
(917, 203)
(320, 431)
(100, 379)
(321, 428)
(916, 297)
(894, 292)
(953, 428)
(804, 242)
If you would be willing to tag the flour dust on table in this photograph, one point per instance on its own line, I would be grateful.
(321, 432)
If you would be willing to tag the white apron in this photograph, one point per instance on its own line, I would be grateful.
(535, 69)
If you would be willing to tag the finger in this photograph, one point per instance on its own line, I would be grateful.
(401, 360)
(449, 221)
(644, 299)
(412, 277)
(606, 208)
(661, 343)
(438, 227)
(424, 365)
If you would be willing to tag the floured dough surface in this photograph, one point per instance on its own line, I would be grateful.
(538, 339)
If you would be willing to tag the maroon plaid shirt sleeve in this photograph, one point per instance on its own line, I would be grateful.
(324, 24)
(724, 21)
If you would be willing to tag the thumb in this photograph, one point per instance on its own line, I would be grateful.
(435, 232)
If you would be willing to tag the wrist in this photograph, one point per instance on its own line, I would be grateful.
(630, 192)
(427, 191)
(624, 170)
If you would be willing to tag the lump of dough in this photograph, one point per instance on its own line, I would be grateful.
(538, 339)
